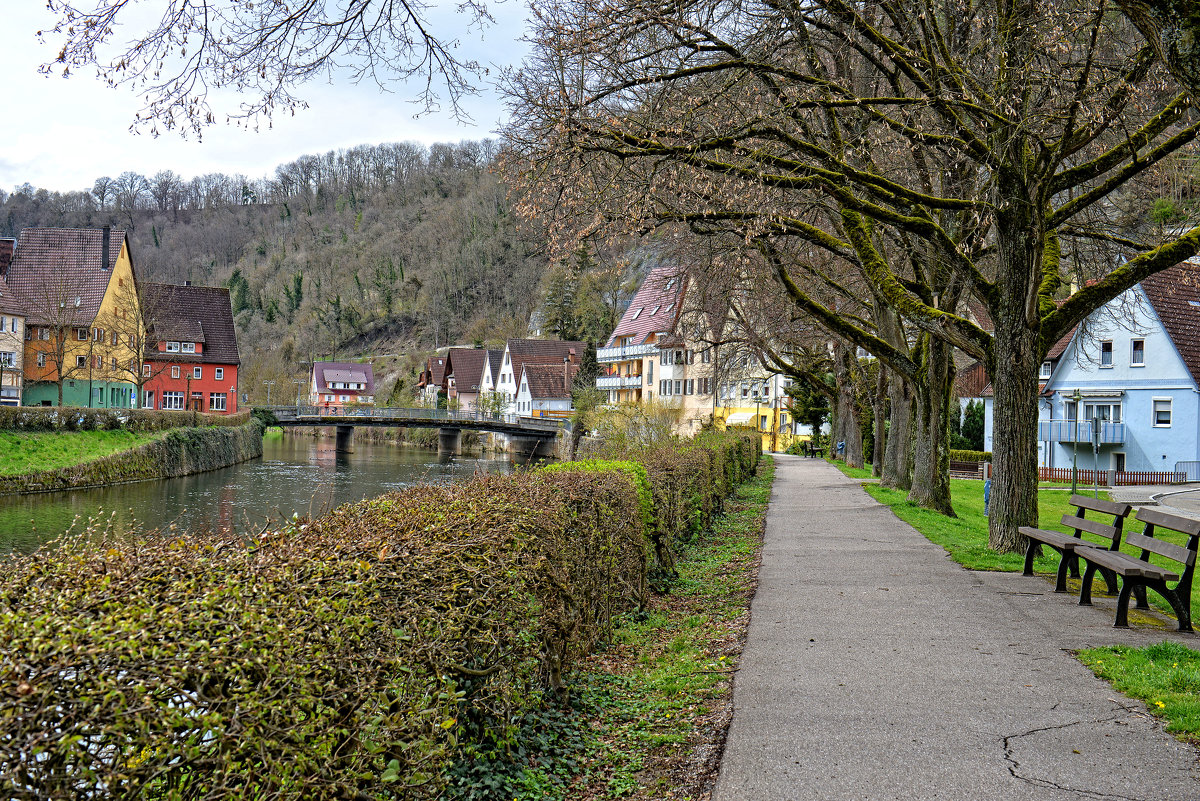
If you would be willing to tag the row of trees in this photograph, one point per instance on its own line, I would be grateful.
(885, 166)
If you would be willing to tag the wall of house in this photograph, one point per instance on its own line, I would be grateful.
(1163, 376)
(207, 385)
(93, 394)
(12, 334)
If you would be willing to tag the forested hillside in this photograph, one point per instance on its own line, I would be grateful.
(390, 249)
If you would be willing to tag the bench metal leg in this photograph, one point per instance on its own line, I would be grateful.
(1123, 605)
(1181, 607)
(1030, 554)
(1139, 597)
(1110, 580)
(1085, 587)
(1068, 560)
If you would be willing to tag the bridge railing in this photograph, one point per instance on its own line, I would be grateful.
(288, 413)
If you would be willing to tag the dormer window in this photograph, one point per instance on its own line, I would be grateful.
(172, 347)
(638, 313)
(189, 347)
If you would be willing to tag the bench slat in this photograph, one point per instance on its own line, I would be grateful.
(1057, 538)
(1167, 549)
(1090, 526)
(1100, 505)
(1126, 565)
(1184, 525)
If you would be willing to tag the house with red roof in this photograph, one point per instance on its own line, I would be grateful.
(1130, 377)
(334, 386)
(430, 379)
(190, 359)
(463, 376)
(520, 352)
(545, 389)
(76, 285)
(12, 327)
(627, 360)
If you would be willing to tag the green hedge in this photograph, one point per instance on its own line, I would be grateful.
(72, 418)
(970, 456)
(350, 657)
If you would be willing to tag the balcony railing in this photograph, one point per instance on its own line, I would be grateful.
(1080, 431)
(618, 382)
(622, 352)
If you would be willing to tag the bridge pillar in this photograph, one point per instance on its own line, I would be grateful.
(450, 440)
(525, 449)
(344, 441)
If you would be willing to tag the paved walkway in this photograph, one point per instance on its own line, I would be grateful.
(876, 668)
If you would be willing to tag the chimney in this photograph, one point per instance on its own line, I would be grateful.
(105, 241)
(567, 375)
(7, 248)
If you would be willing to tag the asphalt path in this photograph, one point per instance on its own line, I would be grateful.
(876, 668)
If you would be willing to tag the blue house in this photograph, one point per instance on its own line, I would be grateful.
(1133, 366)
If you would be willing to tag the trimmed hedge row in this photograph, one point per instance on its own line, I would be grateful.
(354, 656)
(74, 418)
(970, 456)
(182, 452)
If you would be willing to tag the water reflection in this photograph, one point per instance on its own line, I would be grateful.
(296, 474)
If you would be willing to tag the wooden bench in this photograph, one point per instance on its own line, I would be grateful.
(1068, 544)
(811, 451)
(1137, 573)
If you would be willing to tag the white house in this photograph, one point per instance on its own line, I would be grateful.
(545, 389)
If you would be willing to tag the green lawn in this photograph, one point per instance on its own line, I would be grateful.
(1165, 676)
(27, 452)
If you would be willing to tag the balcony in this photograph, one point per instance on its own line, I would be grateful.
(618, 382)
(1080, 431)
(624, 352)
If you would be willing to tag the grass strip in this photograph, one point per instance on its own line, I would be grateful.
(24, 452)
(1166, 676)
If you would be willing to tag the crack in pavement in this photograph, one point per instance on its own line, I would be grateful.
(1014, 764)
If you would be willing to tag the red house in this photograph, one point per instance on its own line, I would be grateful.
(191, 359)
(336, 385)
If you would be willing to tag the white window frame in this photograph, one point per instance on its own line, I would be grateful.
(1045, 370)
(145, 371)
(80, 361)
(1108, 366)
(81, 334)
(174, 371)
(216, 401)
(1133, 353)
(147, 399)
(8, 358)
(173, 400)
(187, 347)
(41, 358)
(197, 373)
(172, 347)
(1154, 408)
(220, 373)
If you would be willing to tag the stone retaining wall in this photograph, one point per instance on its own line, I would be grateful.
(182, 452)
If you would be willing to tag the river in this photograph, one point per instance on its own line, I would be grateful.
(295, 474)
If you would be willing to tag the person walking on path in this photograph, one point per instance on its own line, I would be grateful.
(876, 668)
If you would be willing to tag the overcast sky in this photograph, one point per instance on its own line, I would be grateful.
(62, 134)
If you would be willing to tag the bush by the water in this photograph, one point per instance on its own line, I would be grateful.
(356, 656)
(74, 418)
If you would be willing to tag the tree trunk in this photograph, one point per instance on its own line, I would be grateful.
(897, 462)
(931, 462)
(847, 410)
(1018, 353)
(879, 407)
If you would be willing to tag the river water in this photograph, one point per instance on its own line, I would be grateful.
(295, 474)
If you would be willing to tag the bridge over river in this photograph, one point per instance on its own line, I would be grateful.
(528, 435)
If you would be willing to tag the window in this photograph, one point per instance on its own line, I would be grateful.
(98, 362)
(1137, 358)
(172, 347)
(97, 334)
(8, 359)
(172, 400)
(28, 333)
(219, 373)
(706, 356)
(147, 399)
(146, 370)
(690, 387)
(115, 338)
(42, 359)
(189, 347)
(654, 311)
(678, 387)
(45, 332)
(216, 401)
(745, 390)
(638, 313)
(662, 387)
(1162, 412)
(665, 357)
(81, 334)
(1108, 412)
(1106, 354)
(2, 322)
(114, 363)
(197, 373)
(174, 371)
(1044, 372)
(81, 361)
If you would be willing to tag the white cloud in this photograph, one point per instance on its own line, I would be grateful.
(62, 134)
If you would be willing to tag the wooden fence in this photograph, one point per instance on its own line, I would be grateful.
(1124, 478)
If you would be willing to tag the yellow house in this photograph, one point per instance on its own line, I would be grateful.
(83, 319)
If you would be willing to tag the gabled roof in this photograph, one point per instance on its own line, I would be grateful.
(1175, 295)
(201, 314)
(466, 365)
(972, 382)
(550, 381)
(62, 265)
(327, 373)
(10, 302)
(1058, 347)
(495, 358)
(655, 307)
(542, 351)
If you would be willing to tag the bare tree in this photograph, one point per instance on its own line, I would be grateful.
(944, 148)
(263, 51)
(58, 330)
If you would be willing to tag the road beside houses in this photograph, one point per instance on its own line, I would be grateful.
(876, 668)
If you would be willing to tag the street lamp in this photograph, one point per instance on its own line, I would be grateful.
(757, 419)
(268, 385)
(297, 382)
(1077, 397)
